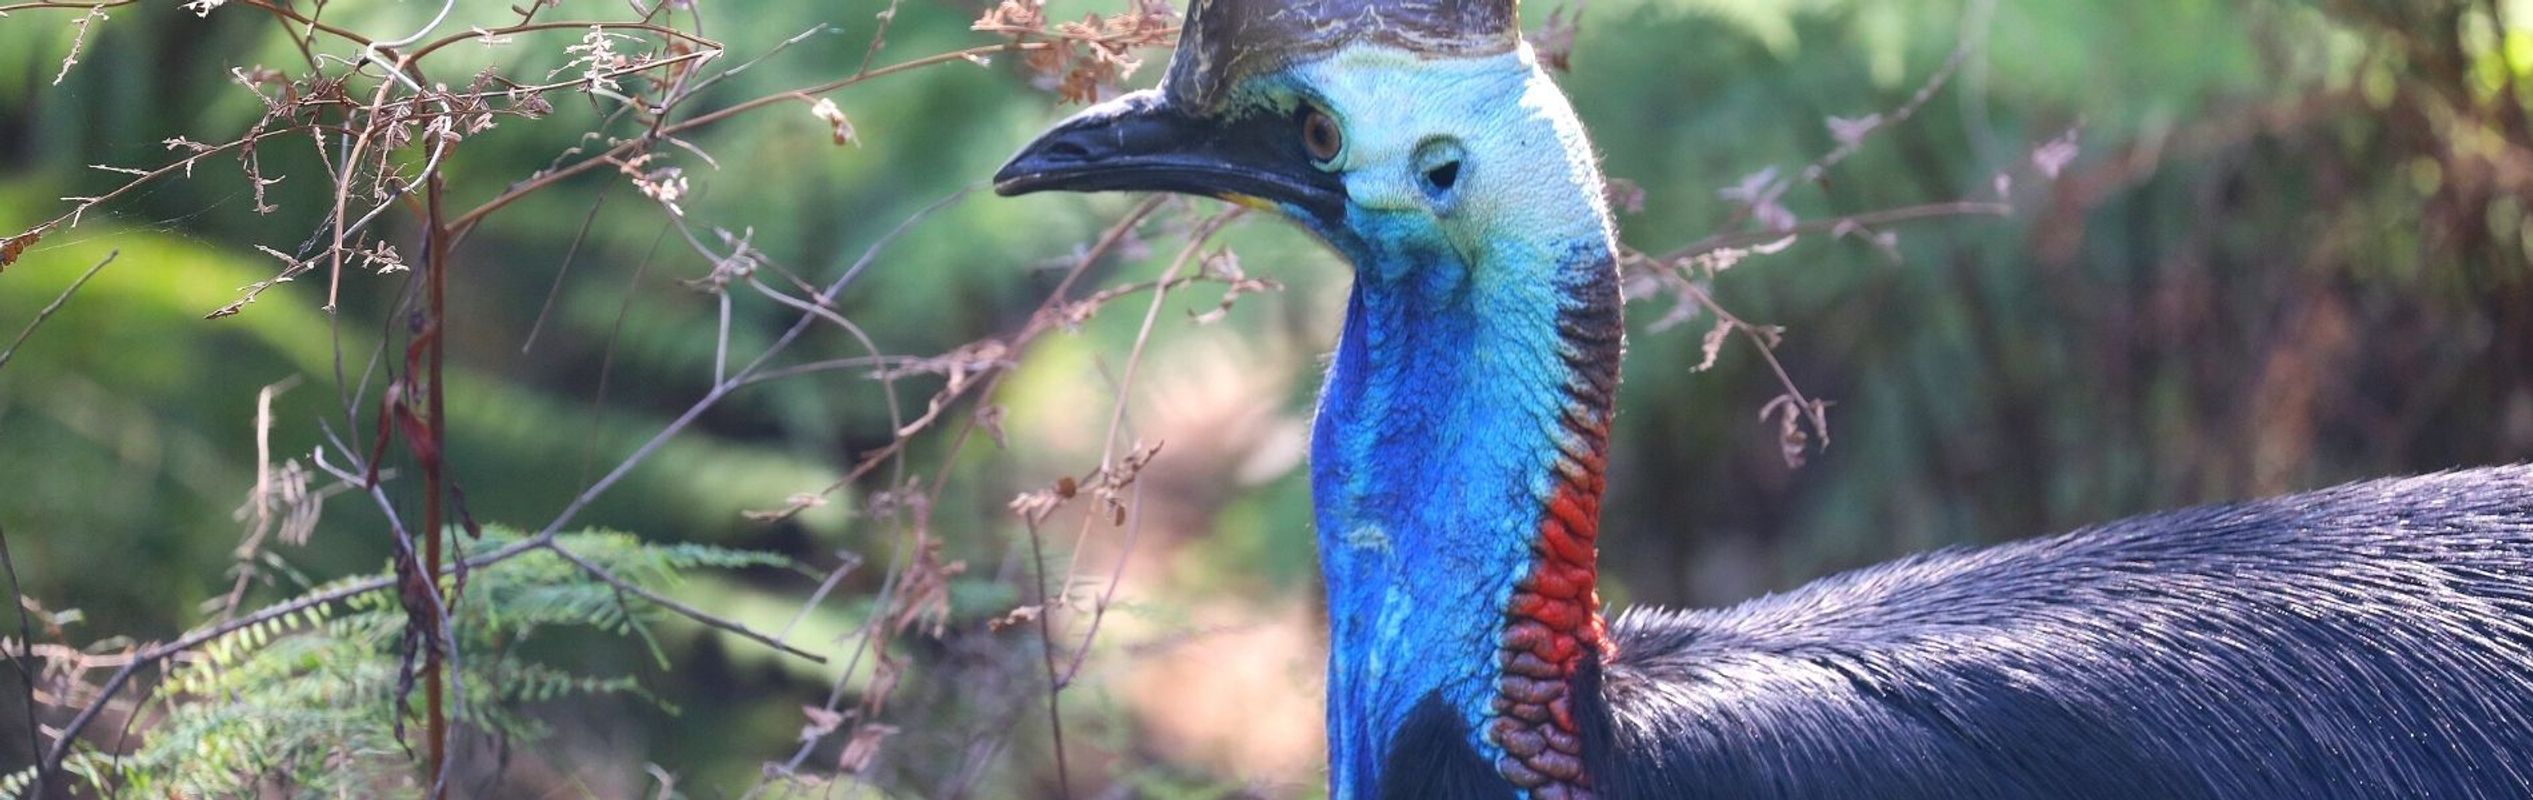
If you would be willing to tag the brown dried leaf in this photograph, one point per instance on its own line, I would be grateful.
(1798, 421)
(1769, 335)
(14, 246)
(1625, 196)
(1036, 506)
(1787, 413)
(1713, 345)
(864, 747)
(825, 110)
(924, 596)
(1554, 41)
(1888, 242)
(1762, 193)
(821, 722)
(1013, 15)
(990, 418)
(1090, 57)
(1851, 132)
(2052, 158)
(792, 507)
(1015, 618)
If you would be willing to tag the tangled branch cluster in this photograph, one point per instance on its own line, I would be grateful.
(388, 130)
(1093, 55)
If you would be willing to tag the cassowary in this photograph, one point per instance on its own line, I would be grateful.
(2369, 641)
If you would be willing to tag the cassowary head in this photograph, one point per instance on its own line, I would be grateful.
(1457, 450)
(1387, 128)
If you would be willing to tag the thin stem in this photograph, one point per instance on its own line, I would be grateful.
(25, 659)
(1046, 651)
(466, 222)
(1196, 240)
(434, 468)
(55, 4)
(700, 43)
(723, 387)
(1040, 321)
(663, 601)
(80, 205)
(56, 305)
(1875, 219)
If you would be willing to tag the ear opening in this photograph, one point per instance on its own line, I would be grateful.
(1441, 162)
(1442, 177)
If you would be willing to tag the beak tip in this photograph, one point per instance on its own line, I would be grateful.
(1007, 184)
(1041, 165)
(1017, 178)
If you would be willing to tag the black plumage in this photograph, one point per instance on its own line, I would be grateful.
(2373, 640)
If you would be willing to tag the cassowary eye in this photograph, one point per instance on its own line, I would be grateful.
(1320, 136)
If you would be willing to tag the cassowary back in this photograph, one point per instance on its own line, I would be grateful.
(2371, 640)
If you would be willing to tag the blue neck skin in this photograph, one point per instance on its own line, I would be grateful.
(1431, 468)
(1480, 348)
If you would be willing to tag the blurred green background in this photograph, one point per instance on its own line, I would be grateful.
(2293, 250)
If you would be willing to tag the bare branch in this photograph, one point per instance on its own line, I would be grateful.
(49, 308)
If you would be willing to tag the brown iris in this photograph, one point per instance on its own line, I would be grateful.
(1320, 136)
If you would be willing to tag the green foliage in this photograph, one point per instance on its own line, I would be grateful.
(15, 784)
(308, 705)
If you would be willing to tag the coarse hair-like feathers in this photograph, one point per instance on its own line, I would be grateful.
(2373, 640)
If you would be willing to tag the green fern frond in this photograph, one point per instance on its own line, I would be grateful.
(17, 784)
(308, 700)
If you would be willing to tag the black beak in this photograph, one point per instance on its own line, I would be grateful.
(1141, 142)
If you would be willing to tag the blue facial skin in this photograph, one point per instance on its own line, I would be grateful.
(1472, 223)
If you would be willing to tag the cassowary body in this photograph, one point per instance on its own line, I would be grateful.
(2370, 641)
(2373, 640)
